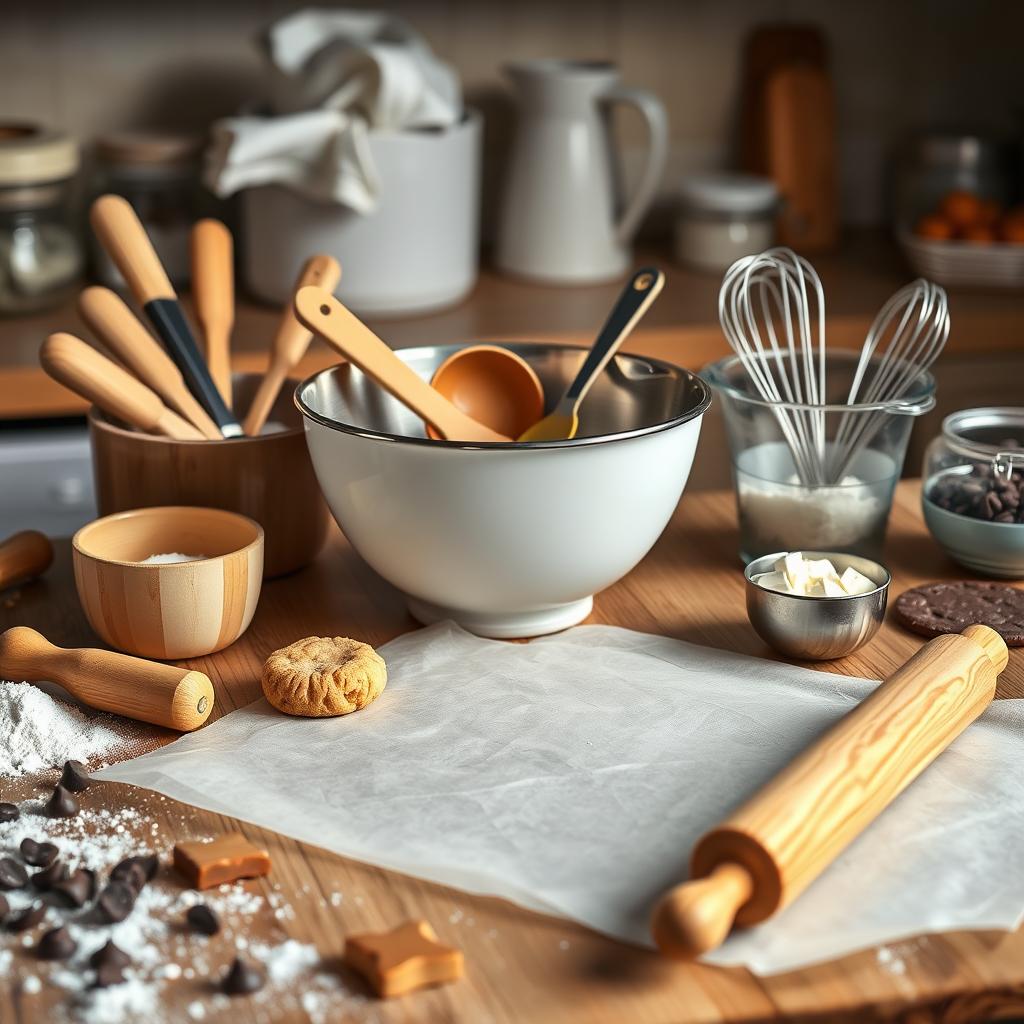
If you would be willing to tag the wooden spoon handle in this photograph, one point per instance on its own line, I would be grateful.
(124, 238)
(175, 698)
(323, 313)
(636, 298)
(81, 368)
(124, 334)
(23, 556)
(290, 342)
(213, 286)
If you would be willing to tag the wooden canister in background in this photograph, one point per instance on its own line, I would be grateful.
(268, 478)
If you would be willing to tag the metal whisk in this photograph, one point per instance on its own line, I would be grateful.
(909, 332)
(772, 310)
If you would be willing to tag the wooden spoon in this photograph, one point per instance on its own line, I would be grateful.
(96, 378)
(175, 698)
(290, 342)
(125, 335)
(24, 556)
(213, 287)
(321, 312)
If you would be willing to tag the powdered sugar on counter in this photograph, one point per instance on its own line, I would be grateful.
(38, 732)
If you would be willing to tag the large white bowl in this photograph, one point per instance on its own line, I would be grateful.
(509, 540)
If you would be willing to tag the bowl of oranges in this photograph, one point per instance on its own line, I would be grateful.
(968, 240)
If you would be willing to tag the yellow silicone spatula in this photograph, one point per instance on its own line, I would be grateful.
(633, 303)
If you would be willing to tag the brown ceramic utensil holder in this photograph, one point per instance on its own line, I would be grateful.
(268, 478)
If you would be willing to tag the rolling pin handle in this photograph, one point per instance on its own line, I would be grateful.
(991, 643)
(696, 916)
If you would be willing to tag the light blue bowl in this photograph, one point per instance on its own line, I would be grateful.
(992, 549)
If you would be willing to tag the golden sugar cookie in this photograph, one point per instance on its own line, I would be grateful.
(320, 677)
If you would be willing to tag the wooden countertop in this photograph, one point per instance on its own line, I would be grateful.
(522, 966)
(681, 326)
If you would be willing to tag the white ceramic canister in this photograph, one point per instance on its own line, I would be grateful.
(722, 217)
(417, 252)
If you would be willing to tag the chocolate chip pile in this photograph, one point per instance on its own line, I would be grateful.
(981, 495)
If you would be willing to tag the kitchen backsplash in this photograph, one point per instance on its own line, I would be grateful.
(105, 65)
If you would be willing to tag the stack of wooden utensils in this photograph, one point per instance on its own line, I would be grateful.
(174, 390)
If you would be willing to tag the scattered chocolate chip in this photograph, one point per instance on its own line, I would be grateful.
(5, 907)
(39, 855)
(130, 873)
(58, 871)
(78, 888)
(27, 918)
(115, 902)
(109, 955)
(242, 978)
(202, 919)
(9, 812)
(61, 805)
(75, 777)
(107, 975)
(12, 874)
(56, 944)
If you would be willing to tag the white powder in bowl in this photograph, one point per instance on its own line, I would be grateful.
(170, 557)
(39, 732)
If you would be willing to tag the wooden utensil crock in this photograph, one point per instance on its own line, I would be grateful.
(268, 478)
(169, 610)
(767, 852)
(175, 698)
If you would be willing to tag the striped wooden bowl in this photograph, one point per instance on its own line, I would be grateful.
(169, 610)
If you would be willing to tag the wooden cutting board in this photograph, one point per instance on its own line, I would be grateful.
(522, 967)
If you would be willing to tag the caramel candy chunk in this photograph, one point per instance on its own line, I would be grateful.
(226, 859)
(405, 959)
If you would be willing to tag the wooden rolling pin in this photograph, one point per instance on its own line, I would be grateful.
(175, 698)
(126, 336)
(213, 288)
(85, 371)
(23, 556)
(290, 342)
(775, 845)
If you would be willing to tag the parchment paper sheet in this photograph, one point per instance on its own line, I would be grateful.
(572, 775)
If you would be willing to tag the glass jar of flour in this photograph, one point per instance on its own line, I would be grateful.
(722, 217)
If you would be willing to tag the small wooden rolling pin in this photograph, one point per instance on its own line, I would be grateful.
(775, 845)
(175, 698)
(24, 556)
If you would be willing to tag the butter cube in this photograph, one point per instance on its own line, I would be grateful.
(820, 569)
(814, 588)
(795, 568)
(856, 583)
(773, 581)
(833, 586)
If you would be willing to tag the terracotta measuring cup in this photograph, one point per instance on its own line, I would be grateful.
(494, 386)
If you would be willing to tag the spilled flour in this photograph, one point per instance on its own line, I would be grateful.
(38, 732)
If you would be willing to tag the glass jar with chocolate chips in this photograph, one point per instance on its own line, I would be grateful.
(975, 467)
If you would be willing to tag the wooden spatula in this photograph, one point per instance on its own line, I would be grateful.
(290, 342)
(175, 698)
(85, 371)
(321, 312)
(213, 286)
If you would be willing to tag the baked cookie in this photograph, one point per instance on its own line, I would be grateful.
(320, 677)
(940, 608)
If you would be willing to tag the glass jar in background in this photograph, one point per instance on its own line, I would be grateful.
(722, 217)
(159, 176)
(40, 251)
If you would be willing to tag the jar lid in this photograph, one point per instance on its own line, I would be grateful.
(149, 149)
(729, 192)
(31, 154)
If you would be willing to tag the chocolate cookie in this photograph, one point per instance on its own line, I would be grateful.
(940, 608)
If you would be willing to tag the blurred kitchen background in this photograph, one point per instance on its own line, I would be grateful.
(885, 137)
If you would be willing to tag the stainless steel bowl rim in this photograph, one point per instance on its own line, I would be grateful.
(693, 379)
(920, 401)
(749, 572)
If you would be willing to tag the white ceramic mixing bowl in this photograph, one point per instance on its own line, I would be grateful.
(509, 540)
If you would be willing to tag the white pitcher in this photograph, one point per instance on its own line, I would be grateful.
(558, 217)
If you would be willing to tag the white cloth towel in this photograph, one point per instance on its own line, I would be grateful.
(335, 77)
